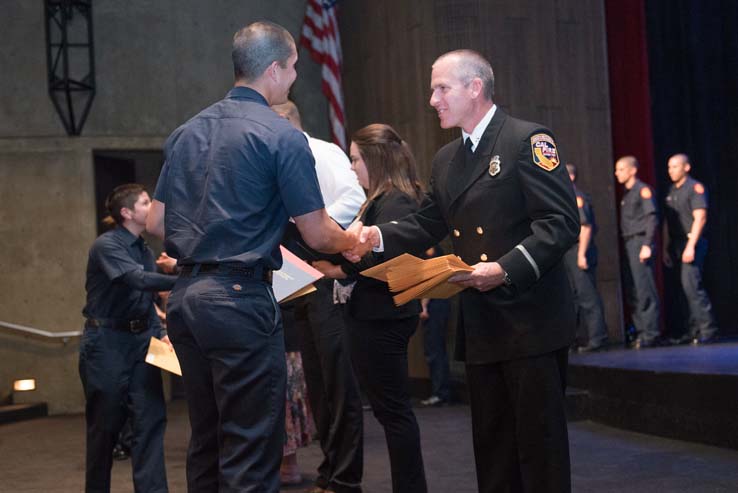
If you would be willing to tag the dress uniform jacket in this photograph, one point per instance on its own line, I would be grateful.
(513, 205)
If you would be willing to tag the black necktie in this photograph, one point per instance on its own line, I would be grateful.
(468, 147)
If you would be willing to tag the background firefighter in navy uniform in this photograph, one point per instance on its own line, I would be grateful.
(638, 222)
(511, 213)
(685, 247)
(581, 266)
(121, 319)
(234, 174)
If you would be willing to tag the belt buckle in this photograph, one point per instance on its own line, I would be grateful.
(135, 326)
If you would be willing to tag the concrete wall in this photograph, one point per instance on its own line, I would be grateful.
(157, 64)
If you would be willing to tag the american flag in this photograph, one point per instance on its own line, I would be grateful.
(320, 37)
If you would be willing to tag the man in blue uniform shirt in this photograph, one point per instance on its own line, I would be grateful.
(121, 319)
(638, 223)
(233, 176)
(685, 246)
(581, 267)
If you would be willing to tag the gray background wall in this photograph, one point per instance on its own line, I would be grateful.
(157, 64)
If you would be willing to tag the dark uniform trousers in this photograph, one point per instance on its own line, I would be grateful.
(524, 401)
(379, 355)
(118, 383)
(587, 300)
(227, 331)
(332, 387)
(644, 298)
(701, 322)
(505, 207)
(434, 346)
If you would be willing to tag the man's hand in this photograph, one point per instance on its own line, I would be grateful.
(645, 254)
(329, 270)
(688, 254)
(485, 276)
(667, 259)
(166, 263)
(582, 262)
(368, 238)
(169, 343)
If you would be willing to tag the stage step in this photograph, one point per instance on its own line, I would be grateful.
(11, 413)
(682, 393)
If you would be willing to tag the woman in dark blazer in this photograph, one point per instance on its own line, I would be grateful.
(378, 330)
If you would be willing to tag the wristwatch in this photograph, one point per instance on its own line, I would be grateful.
(507, 280)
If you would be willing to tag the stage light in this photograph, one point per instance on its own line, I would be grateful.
(24, 385)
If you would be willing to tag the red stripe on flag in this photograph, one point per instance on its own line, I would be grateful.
(321, 38)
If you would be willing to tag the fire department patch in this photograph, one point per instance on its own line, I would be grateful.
(544, 151)
(699, 188)
(645, 193)
(580, 202)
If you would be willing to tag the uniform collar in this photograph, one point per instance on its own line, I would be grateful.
(241, 92)
(478, 131)
(127, 236)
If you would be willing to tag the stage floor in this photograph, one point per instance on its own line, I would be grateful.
(47, 455)
(711, 359)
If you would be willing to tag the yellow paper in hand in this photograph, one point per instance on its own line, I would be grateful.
(161, 355)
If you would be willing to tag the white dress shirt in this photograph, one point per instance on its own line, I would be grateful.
(342, 194)
(479, 130)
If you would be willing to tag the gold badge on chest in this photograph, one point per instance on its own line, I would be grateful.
(494, 165)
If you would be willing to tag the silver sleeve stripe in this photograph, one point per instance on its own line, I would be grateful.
(530, 260)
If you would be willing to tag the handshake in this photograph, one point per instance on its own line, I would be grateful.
(364, 239)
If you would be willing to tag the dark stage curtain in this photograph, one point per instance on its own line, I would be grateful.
(693, 71)
(630, 99)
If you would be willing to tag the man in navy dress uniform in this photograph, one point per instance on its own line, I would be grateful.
(509, 206)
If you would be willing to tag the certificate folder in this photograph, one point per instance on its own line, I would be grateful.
(161, 355)
(294, 279)
(413, 278)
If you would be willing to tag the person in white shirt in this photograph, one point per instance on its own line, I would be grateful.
(317, 328)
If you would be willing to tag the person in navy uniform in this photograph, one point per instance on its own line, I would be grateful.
(434, 322)
(510, 210)
(581, 266)
(685, 246)
(233, 176)
(120, 320)
(638, 222)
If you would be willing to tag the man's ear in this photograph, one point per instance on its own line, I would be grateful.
(126, 213)
(476, 86)
(272, 70)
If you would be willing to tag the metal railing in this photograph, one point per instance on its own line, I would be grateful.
(62, 336)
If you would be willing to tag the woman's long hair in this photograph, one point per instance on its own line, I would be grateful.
(389, 161)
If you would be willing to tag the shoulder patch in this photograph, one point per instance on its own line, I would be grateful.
(646, 193)
(544, 151)
(580, 202)
(699, 188)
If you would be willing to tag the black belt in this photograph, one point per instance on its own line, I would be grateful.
(134, 325)
(258, 272)
(635, 235)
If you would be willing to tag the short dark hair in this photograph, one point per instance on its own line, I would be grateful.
(121, 196)
(472, 64)
(631, 161)
(257, 46)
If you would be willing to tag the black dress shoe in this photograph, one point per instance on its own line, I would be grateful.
(590, 349)
(120, 453)
(701, 341)
(643, 344)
